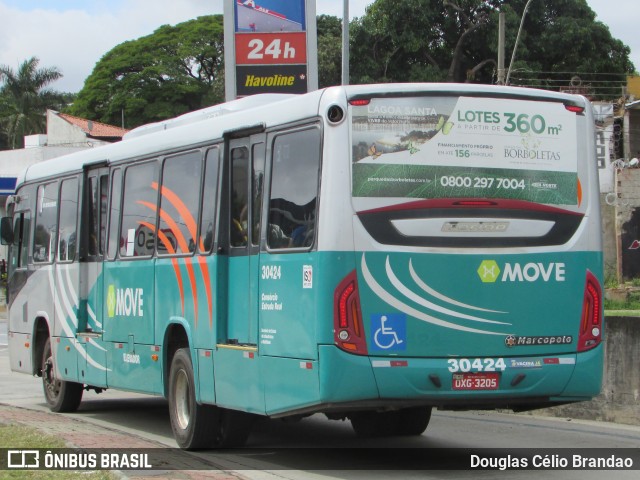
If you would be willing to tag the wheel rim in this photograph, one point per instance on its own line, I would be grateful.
(182, 400)
(51, 383)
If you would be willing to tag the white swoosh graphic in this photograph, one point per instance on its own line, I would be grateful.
(62, 317)
(72, 292)
(442, 297)
(394, 302)
(92, 315)
(425, 303)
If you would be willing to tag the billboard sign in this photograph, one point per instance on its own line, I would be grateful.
(274, 47)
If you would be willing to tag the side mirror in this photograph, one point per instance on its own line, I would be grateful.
(6, 231)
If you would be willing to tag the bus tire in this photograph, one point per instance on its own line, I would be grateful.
(61, 396)
(191, 422)
(233, 429)
(412, 421)
(373, 424)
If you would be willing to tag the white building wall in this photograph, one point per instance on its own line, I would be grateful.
(62, 133)
(12, 162)
(61, 139)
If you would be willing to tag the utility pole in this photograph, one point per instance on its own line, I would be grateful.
(345, 43)
(501, 48)
(515, 46)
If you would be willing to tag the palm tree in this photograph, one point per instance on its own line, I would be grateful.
(24, 100)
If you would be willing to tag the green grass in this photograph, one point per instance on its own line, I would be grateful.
(21, 437)
(632, 303)
(627, 306)
(622, 313)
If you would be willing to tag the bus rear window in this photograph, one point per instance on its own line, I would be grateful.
(465, 147)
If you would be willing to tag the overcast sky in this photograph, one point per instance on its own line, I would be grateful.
(74, 34)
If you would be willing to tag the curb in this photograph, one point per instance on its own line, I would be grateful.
(77, 433)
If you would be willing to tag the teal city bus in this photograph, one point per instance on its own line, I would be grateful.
(367, 252)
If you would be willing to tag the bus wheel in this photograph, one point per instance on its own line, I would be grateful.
(233, 428)
(61, 396)
(374, 424)
(412, 421)
(191, 422)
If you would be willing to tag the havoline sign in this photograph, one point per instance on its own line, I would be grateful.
(253, 79)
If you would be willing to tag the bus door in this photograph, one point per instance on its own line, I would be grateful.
(245, 175)
(238, 383)
(129, 277)
(66, 270)
(92, 251)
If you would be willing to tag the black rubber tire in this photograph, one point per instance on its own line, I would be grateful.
(191, 422)
(373, 424)
(406, 422)
(412, 421)
(233, 429)
(61, 396)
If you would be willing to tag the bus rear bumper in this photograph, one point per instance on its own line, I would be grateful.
(586, 380)
(532, 382)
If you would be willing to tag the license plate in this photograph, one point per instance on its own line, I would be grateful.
(476, 381)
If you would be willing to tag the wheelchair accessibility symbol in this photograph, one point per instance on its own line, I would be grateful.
(389, 332)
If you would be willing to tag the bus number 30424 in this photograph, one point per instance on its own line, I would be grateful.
(476, 364)
(271, 272)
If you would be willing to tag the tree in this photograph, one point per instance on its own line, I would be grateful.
(24, 100)
(329, 50)
(563, 44)
(175, 70)
(456, 40)
(413, 40)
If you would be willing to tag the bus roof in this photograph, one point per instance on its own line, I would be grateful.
(194, 128)
(202, 126)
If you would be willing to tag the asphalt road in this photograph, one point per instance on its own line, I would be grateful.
(316, 446)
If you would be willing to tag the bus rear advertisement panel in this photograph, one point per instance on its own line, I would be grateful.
(447, 147)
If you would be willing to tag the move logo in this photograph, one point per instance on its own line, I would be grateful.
(111, 301)
(490, 272)
(125, 302)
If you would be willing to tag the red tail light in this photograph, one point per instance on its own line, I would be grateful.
(574, 108)
(348, 333)
(591, 322)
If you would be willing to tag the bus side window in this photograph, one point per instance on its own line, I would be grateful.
(20, 247)
(239, 197)
(104, 205)
(294, 189)
(114, 214)
(25, 239)
(209, 201)
(97, 212)
(138, 230)
(67, 234)
(257, 187)
(44, 237)
(179, 203)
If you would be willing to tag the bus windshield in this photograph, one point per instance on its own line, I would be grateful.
(434, 147)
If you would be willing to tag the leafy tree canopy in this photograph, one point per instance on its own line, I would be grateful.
(457, 40)
(24, 101)
(175, 70)
(329, 50)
